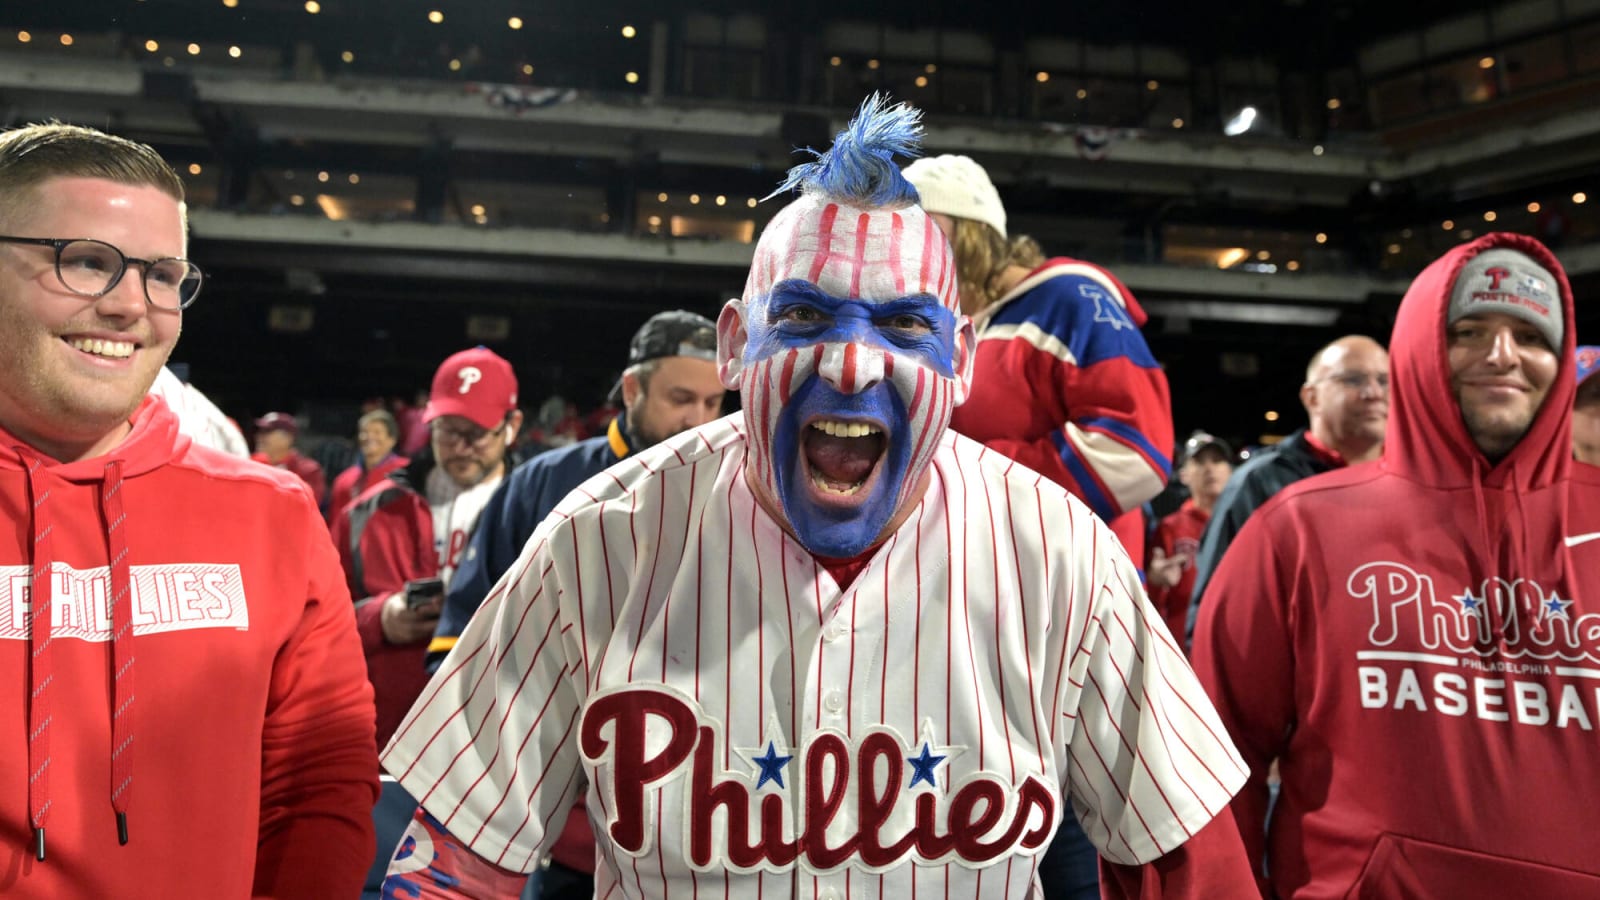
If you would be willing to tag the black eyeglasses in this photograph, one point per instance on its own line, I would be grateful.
(93, 268)
(476, 437)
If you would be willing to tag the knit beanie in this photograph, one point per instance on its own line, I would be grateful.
(957, 186)
(1507, 281)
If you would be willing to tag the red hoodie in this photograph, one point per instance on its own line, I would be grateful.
(1417, 641)
(244, 761)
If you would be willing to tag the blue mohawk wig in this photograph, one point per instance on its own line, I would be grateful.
(859, 168)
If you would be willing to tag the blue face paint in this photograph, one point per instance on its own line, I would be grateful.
(812, 358)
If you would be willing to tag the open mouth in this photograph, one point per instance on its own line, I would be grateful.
(100, 348)
(841, 456)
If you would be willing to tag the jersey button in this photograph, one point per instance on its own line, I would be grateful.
(828, 894)
(833, 701)
(834, 632)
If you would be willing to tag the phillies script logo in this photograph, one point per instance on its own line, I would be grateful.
(876, 800)
(1516, 619)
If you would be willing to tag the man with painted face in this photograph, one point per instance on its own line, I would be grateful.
(825, 647)
(1414, 640)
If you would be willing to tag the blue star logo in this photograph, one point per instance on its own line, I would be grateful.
(771, 766)
(1471, 605)
(1556, 608)
(922, 767)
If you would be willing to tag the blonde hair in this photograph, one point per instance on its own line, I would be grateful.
(982, 257)
(33, 154)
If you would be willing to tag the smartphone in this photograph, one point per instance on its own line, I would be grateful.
(423, 591)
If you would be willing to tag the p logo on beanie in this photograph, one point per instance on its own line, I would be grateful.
(1506, 281)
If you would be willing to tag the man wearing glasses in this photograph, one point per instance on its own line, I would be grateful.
(402, 539)
(184, 715)
(1346, 396)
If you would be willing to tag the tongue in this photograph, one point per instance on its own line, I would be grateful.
(841, 460)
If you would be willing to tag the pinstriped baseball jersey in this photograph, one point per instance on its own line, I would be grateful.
(753, 731)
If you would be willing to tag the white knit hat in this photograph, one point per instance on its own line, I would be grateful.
(957, 186)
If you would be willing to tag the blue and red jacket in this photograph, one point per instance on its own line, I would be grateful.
(1064, 383)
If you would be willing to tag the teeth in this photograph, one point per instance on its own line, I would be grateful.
(109, 349)
(829, 489)
(845, 429)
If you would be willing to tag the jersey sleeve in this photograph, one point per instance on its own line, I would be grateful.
(490, 749)
(1149, 763)
(319, 775)
(1243, 654)
(1105, 396)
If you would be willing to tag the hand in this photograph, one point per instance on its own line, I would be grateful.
(403, 625)
(1165, 571)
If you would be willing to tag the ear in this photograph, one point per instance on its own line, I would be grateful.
(513, 425)
(630, 389)
(731, 340)
(966, 349)
(1308, 396)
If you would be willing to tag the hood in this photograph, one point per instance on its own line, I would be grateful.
(154, 440)
(1427, 441)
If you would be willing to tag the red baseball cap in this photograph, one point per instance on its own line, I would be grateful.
(278, 421)
(475, 384)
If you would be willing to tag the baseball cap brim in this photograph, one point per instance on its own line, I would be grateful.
(451, 407)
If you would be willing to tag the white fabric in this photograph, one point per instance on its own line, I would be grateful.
(455, 514)
(198, 417)
(1001, 627)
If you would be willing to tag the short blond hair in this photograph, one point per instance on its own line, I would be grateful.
(982, 256)
(34, 154)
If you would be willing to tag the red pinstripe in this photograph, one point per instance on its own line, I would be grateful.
(583, 633)
(929, 242)
(847, 369)
(1162, 727)
(527, 817)
(472, 694)
(1201, 720)
(494, 700)
(896, 261)
(859, 263)
(999, 599)
(824, 243)
(1126, 800)
(816, 592)
(649, 591)
(557, 816)
(1022, 611)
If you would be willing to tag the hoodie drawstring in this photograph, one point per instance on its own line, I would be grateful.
(121, 646)
(39, 672)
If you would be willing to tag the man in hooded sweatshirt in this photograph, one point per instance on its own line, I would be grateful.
(185, 713)
(1415, 641)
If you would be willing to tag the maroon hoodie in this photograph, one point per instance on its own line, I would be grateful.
(1417, 642)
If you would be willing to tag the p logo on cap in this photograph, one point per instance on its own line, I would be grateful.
(475, 384)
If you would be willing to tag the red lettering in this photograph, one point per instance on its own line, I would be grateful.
(872, 805)
(628, 713)
(704, 798)
(212, 584)
(823, 804)
(967, 829)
